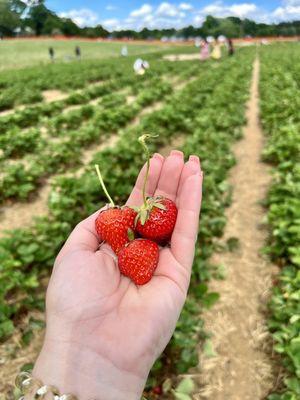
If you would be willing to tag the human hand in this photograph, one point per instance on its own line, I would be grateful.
(104, 332)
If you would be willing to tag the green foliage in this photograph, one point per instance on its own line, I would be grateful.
(16, 143)
(281, 121)
(76, 129)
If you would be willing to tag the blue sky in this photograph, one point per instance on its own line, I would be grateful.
(120, 14)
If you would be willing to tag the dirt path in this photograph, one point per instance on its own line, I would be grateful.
(242, 368)
(182, 57)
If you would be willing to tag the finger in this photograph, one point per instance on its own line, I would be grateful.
(170, 175)
(185, 232)
(136, 196)
(191, 167)
(83, 237)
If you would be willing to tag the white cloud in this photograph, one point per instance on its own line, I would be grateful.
(242, 10)
(198, 20)
(289, 11)
(148, 18)
(111, 24)
(168, 10)
(111, 7)
(31, 2)
(185, 6)
(83, 17)
(142, 11)
(291, 2)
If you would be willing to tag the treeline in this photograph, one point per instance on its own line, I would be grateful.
(34, 18)
(232, 27)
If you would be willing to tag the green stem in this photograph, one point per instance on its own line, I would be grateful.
(142, 140)
(111, 202)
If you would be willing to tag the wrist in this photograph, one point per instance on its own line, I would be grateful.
(76, 369)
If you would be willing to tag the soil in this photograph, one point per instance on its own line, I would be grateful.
(54, 95)
(182, 57)
(13, 355)
(242, 368)
(20, 215)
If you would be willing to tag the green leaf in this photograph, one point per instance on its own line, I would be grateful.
(167, 385)
(182, 396)
(185, 386)
(159, 205)
(293, 384)
(143, 216)
(210, 299)
(208, 349)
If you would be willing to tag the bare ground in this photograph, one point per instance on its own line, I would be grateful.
(243, 368)
(54, 95)
(182, 57)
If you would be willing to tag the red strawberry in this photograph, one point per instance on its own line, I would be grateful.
(157, 390)
(113, 225)
(138, 260)
(156, 219)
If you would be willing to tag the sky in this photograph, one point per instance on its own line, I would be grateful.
(122, 14)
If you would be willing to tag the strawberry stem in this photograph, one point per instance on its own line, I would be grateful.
(111, 202)
(142, 139)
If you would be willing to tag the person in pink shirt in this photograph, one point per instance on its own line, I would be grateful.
(205, 50)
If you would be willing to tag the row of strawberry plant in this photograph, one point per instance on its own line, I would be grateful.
(25, 86)
(23, 269)
(281, 121)
(32, 115)
(19, 180)
(17, 142)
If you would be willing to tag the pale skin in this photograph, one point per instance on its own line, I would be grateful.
(103, 332)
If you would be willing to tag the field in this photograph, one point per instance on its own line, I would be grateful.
(238, 334)
(21, 53)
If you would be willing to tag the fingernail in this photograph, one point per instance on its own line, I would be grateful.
(158, 156)
(194, 159)
(176, 153)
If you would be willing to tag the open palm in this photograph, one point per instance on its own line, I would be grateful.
(119, 326)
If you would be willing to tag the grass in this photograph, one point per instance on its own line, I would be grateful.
(28, 52)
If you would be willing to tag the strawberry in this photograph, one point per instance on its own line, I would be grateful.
(138, 260)
(115, 225)
(156, 219)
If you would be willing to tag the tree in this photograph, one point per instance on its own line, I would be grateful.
(100, 31)
(10, 16)
(229, 28)
(69, 28)
(210, 25)
(38, 15)
(249, 27)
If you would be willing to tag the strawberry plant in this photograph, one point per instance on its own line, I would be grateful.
(280, 116)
